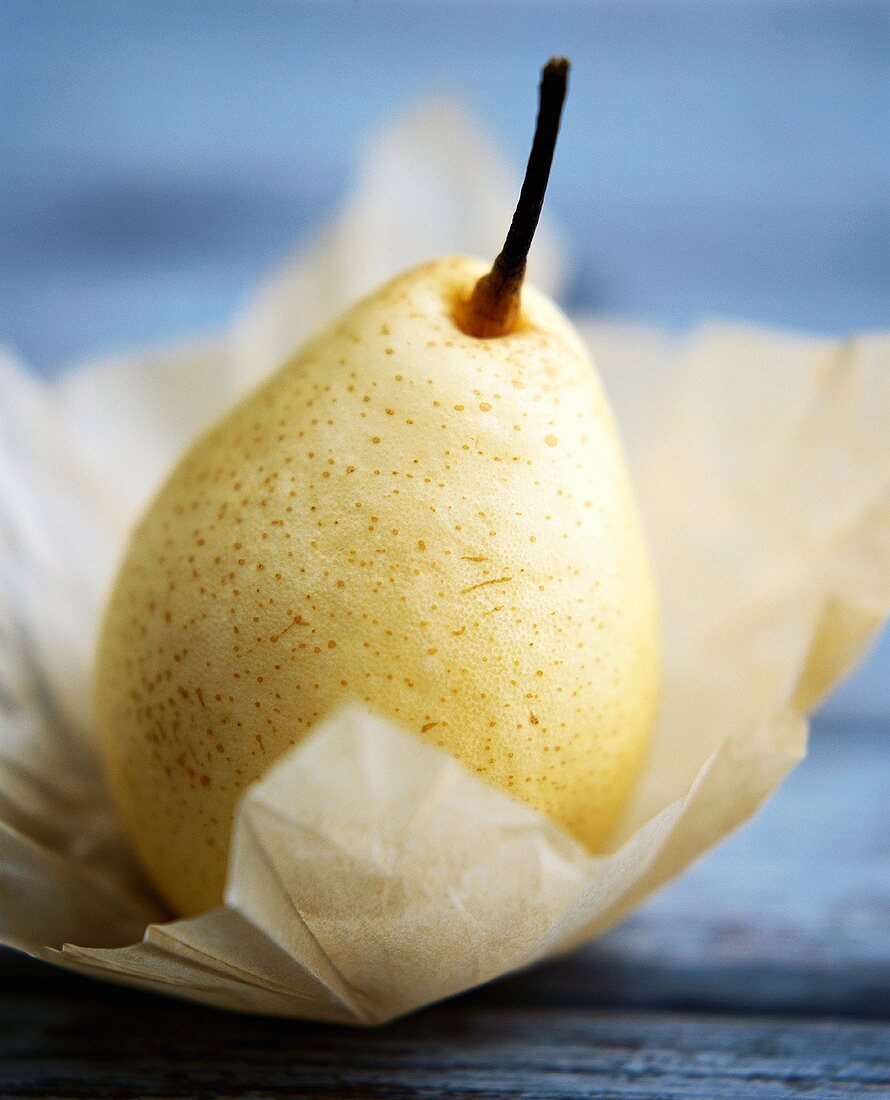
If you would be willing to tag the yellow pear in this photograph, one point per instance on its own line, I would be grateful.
(434, 523)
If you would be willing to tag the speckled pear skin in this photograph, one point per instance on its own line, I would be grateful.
(438, 526)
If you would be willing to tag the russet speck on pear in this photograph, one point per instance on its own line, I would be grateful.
(432, 523)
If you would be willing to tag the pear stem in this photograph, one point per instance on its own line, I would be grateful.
(494, 306)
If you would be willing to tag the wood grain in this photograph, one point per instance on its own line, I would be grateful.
(109, 1046)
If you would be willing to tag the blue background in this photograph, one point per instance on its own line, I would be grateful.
(722, 158)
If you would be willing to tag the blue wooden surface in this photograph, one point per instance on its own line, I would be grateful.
(730, 158)
(727, 157)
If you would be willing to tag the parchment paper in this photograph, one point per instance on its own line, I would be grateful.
(370, 874)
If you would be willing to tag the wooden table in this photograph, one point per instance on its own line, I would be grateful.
(720, 159)
(764, 972)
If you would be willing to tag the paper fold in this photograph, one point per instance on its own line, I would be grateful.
(370, 874)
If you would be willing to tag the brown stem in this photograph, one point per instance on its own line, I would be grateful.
(493, 308)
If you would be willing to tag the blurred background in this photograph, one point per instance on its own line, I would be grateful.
(720, 158)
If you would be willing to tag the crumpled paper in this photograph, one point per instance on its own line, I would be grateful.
(370, 874)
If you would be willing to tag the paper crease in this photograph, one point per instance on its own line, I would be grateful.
(370, 873)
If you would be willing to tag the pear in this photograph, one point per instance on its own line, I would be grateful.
(434, 523)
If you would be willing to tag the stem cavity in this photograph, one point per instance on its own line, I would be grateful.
(493, 309)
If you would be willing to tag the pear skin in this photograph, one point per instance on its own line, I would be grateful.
(438, 526)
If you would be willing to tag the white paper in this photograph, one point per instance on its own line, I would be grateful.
(396, 878)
